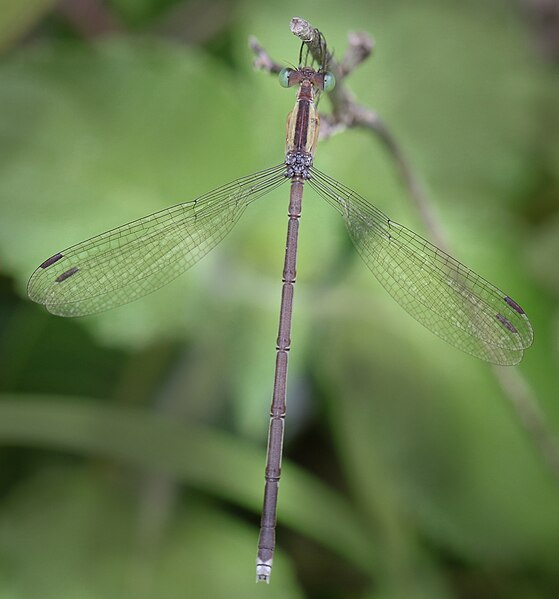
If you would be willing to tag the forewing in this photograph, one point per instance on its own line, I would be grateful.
(128, 262)
(446, 297)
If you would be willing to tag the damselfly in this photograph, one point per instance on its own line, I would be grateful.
(128, 262)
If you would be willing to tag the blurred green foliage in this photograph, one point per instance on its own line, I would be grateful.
(133, 441)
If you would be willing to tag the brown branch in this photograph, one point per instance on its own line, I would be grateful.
(358, 116)
(347, 113)
(310, 36)
(360, 47)
(262, 60)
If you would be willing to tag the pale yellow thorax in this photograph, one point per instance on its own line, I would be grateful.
(297, 138)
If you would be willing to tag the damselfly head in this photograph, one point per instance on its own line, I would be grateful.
(289, 77)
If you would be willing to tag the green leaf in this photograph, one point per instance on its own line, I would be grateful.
(443, 448)
(67, 533)
(205, 458)
(93, 137)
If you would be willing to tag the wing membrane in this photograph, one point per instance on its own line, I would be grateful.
(137, 258)
(445, 296)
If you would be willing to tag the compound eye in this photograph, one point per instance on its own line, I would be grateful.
(329, 81)
(284, 76)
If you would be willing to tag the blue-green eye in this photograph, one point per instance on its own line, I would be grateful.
(329, 81)
(283, 77)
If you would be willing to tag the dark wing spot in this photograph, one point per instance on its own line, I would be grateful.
(66, 274)
(514, 305)
(50, 261)
(506, 323)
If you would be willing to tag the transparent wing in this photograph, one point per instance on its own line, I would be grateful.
(128, 262)
(446, 297)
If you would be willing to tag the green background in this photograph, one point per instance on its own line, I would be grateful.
(132, 443)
